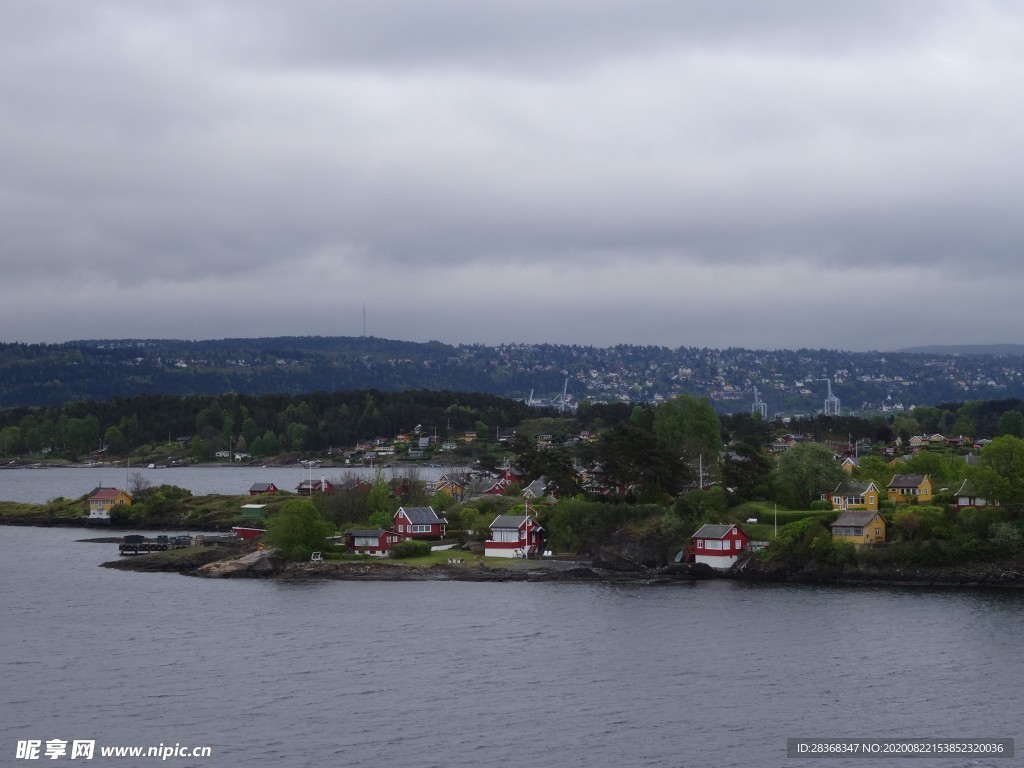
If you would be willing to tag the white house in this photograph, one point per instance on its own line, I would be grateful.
(514, 536)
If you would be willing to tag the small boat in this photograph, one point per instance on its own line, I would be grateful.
(248, 533)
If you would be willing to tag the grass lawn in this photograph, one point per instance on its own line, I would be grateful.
(766, 513)
(469, 560)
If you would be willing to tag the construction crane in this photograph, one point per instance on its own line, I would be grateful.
(561, 398)
(759, 406)
(831, 402)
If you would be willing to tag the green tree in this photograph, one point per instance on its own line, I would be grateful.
(249, 431)
(633, 457)
(526, 455)
(1003, 460)
(10, 440)
(379, 500)
(297, 530)
(688, 427)
(441, 501)
(295, 436)
(808, 470)
(748, 473)
(113, 438)
(1011, 423)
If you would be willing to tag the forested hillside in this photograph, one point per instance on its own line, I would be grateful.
(263, 424)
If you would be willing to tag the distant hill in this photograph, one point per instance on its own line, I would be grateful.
(967, 349)
(790, 382)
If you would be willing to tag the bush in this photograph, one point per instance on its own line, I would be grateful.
(298, 530)
(820, 505)
(410, 548)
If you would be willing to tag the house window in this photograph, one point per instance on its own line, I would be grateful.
(421, 529)
(700, 543)
(878, 531)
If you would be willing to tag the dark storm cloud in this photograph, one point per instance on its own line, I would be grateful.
(653, 172)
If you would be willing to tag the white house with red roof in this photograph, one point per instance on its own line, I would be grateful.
(719, 545)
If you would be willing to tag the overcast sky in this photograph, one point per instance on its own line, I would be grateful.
(743, 173)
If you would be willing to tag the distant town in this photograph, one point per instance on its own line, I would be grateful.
(778, 383)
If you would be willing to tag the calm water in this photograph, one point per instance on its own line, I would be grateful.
(460, 674)
(36, 486)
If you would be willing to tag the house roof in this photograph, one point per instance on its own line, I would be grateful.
(853, 489)
(422, 515)
(713, 531)
(375, 532)
(514, 522)
(855, 517)
(966, 489)
(105, 494)
(537, 487)
(906, 481)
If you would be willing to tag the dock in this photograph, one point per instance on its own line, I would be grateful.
(137, 544)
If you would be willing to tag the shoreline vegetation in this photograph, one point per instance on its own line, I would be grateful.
(241, 560)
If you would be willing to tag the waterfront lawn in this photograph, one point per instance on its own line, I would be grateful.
(58, 508)
(441, 557)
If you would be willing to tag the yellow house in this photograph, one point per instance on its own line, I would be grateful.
(859, 526)
(850, 495)
(905, 488)
(451, 484)
(102, 500)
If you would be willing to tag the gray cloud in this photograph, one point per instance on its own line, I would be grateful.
(747, 174)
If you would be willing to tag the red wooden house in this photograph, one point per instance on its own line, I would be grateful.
(306, 488)
(420, 523)
(719, 545)
(967, 496)
(376, 542)
(260, 488)
(514, 536)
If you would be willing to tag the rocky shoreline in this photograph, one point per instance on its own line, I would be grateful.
(221, 562)
(1006, 573)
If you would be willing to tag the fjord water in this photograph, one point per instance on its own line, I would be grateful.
(39, 485)
(467, 674)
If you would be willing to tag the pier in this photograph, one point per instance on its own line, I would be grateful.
(137, 544)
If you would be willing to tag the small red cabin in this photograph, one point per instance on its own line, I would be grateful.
(376, 541)
(719, 545)
(420, 523)
(306, 488)
(514, 536)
